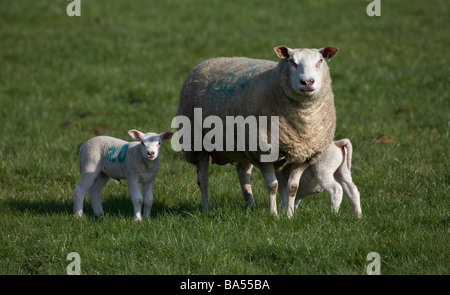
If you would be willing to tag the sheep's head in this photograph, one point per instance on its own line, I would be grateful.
(306, 67)
(150, 142)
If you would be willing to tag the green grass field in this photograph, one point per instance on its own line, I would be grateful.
(121, 64)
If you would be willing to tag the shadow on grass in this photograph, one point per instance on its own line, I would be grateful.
(115, 205)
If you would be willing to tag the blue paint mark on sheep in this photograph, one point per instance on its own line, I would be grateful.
(111, 152)
(233, 81)
(121, 156)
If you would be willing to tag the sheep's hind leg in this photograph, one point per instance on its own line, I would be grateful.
(79, 193)
(203, 177)
(95, 194)
(244, 171)
(334, 189)
(344, 177)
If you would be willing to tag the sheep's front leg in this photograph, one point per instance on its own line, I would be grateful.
(148, 198)
(268, 173)
(282, 185)
(244, 171)
(203, 177)
(282, 169)
(292, 185)
(136, 198)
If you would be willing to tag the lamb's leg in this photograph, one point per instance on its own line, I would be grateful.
(79, 193)
(202, 178)
(292, 185)
(244, 171)
(95, 194)
(343, 176)
(297, 202)
(270, 179)
(334, 189)
(148, 198)
(136, 198)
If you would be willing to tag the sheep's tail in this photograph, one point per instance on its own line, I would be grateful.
(346, 143)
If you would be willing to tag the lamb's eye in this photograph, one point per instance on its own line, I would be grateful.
(293, 63)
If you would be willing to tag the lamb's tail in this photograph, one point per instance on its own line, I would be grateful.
(345, 144)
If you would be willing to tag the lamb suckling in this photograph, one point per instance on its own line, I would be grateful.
(105, 157)
(296, 90)
(330, 172)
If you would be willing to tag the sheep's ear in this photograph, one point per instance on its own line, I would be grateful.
(328, 52)
(283, 51)
(136, 134)
(166, 135)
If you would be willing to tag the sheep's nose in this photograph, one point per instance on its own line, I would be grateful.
(151, 154)
(307, 83)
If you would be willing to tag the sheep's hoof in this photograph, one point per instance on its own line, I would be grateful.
(250, 204)
(78, 214)
(290, 213)
(274, 212)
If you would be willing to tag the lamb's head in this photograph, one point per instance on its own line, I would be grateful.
(150, 142)
(307, 68)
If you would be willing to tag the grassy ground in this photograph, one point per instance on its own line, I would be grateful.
(120, 65)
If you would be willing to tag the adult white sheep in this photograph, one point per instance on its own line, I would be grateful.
(331, 172)
(297, 89)
(105, 157)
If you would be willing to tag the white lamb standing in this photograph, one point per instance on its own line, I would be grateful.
(105, 157)
(331, 172)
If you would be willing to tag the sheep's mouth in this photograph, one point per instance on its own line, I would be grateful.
(308, 90)
(151, 158)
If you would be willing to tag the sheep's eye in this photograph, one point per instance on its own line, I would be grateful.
(159, 143)
(142, 143)
(319, 62)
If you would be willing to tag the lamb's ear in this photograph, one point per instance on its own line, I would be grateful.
(166, 135)
(328, 52)
(283, 51)
(136, 134)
